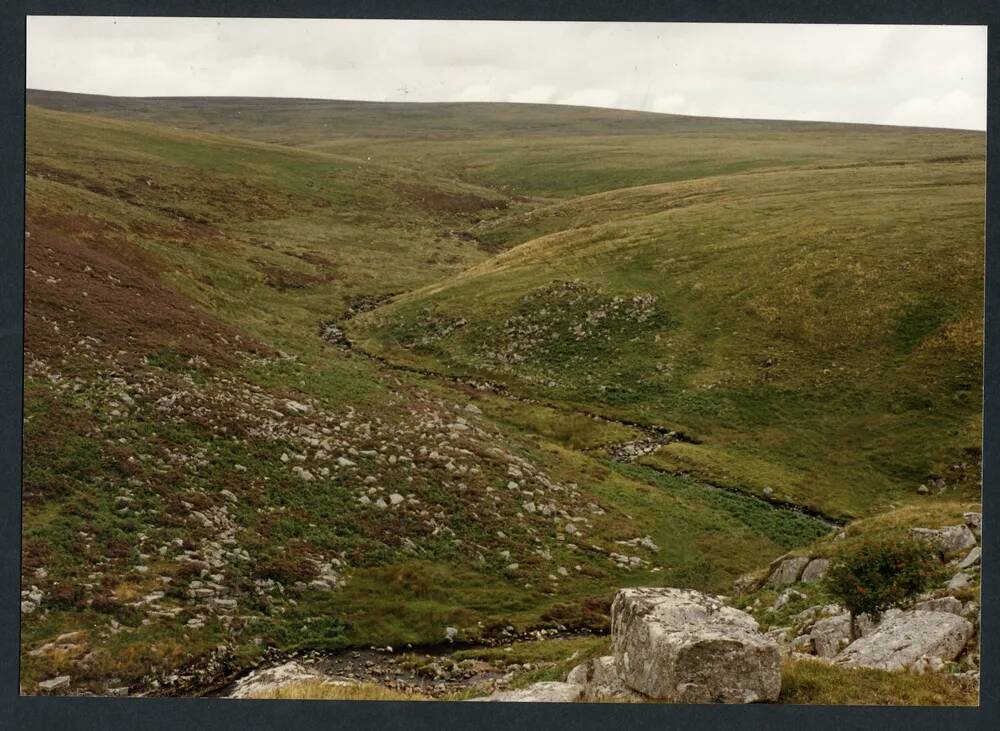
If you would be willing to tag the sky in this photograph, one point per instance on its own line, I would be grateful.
(931, 76)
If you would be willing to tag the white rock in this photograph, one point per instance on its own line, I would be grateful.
(395, 498)
(548, 692)
(681, 645)
(945, 604)
(815, 570)
(973, 558)
(951, 539)
(271, 679)
(787, 572)
(958, 581)
(54, 683)
(901, 640)
(600, 681)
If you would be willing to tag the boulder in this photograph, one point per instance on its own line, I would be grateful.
(787, 572)
(296, 407)
(945, 604)
(903, 639)
(815, 570)
(832, 634)
(548, 692)
(951, 539)
(600, 681)
(958, 581)
(267, 680)
(973, 558)
(683, 646)
(54, 683)
(975, 522)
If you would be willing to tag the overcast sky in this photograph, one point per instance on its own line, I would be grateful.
(915, 75)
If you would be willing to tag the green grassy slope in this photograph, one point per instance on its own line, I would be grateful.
(803, 300)
(532, 149)
(819, 331)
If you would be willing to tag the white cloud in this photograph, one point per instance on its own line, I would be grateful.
(591, 98)
(537, 94)
(954, 109)
(918, 75)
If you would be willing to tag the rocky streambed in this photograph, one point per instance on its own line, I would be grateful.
(438, 671)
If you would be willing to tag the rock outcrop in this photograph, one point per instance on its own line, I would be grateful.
(948, 540)
(908, 640)
(815, 570)
(683, 646)
(787, 572)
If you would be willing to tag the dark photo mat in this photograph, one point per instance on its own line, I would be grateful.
(183, 713)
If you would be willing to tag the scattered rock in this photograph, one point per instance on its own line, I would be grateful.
(296, 407)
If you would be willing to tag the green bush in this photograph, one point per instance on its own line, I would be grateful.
(876, 575)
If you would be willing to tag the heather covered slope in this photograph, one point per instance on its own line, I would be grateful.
(202, 468)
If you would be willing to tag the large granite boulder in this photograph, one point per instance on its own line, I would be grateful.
(600, 681)
(682, 646)
(548, 692)
(904, 639)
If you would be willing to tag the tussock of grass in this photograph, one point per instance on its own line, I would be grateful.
(810, 682)
(318, 691)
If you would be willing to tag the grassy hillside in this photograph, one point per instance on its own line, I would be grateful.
(203, 469)
(533, 150)
(818, 331)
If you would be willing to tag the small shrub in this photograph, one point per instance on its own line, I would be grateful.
(287, 570)
(874, 576)
(591, 613)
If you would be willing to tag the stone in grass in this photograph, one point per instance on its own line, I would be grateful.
(547, 692)
(950, 539)
(683, 646)
(973, 558)
(54, 683)
(958, 581)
